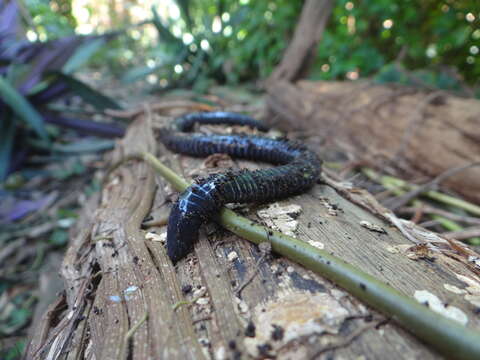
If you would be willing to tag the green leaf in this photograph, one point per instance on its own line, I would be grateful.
(22, 108)
(165, 34)
(6, 145)
(184, 6)
(16, 73)
(88, 94)
(85, 146)
(76, 147)
(59, 237)
(82, 55)
(68, 170)
(138, 73)
(18, 319)
(14, 352)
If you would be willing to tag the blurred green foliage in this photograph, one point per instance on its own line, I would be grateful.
(224, 41)
(366, 36)
(233, 41)
(50, 19)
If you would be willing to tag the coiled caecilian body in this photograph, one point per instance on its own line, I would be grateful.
(297, 170)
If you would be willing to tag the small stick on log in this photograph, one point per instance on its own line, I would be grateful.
(464, 233)
(436, 211)
(265, 249)
(431, 185)
(347, 340)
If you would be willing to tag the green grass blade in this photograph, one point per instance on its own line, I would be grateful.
(184, 6)
(138, 73)
(165, 34)
(88, 94)
(22, 108)
(6, 145)
(82, 55)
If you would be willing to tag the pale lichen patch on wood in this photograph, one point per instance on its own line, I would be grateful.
(298, 314)
(433, 302)
(281, 216)
(472, 290)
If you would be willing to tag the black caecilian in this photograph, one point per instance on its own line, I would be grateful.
(297, 170)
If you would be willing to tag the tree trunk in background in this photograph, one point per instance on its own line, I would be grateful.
(301, 52)
(394, 128)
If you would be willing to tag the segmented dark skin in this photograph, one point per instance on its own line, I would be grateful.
(298, 169)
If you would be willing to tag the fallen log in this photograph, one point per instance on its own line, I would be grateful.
(124, 299)
(399, 129)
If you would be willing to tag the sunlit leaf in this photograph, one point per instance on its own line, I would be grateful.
(83, 53)
(184, 6)
(138, 73)
(165, 33)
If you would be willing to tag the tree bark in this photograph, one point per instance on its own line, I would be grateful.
(301, 51)
(397, 129)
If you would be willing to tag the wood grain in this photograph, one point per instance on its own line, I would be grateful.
(403, 130)
(193, 309)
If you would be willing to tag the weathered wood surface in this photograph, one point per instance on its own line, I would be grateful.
(117, 278)
(414, 133)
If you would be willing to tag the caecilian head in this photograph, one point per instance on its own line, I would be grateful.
(198, 198)
(182, 232)
(194, 206)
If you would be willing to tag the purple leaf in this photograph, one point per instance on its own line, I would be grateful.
(12, 209)
(10, 21)
(85, 126)
(53, 92)
(18, 158)
(50, 57)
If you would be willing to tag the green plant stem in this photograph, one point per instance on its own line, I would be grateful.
(135, 327)
(450, 200)
(400, 187)
(447, 336)
(447, 223)
(394, 184)
(396, 187)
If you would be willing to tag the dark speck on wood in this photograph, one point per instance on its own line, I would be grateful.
(306, 284)
(250, 330)
(277, 333)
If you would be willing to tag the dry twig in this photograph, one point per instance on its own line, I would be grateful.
(463, 234)
(431, 185)
(266, 249)
(444, 213)
(349, 339)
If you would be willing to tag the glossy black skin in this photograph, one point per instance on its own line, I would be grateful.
(298, 170)
(185, 123)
